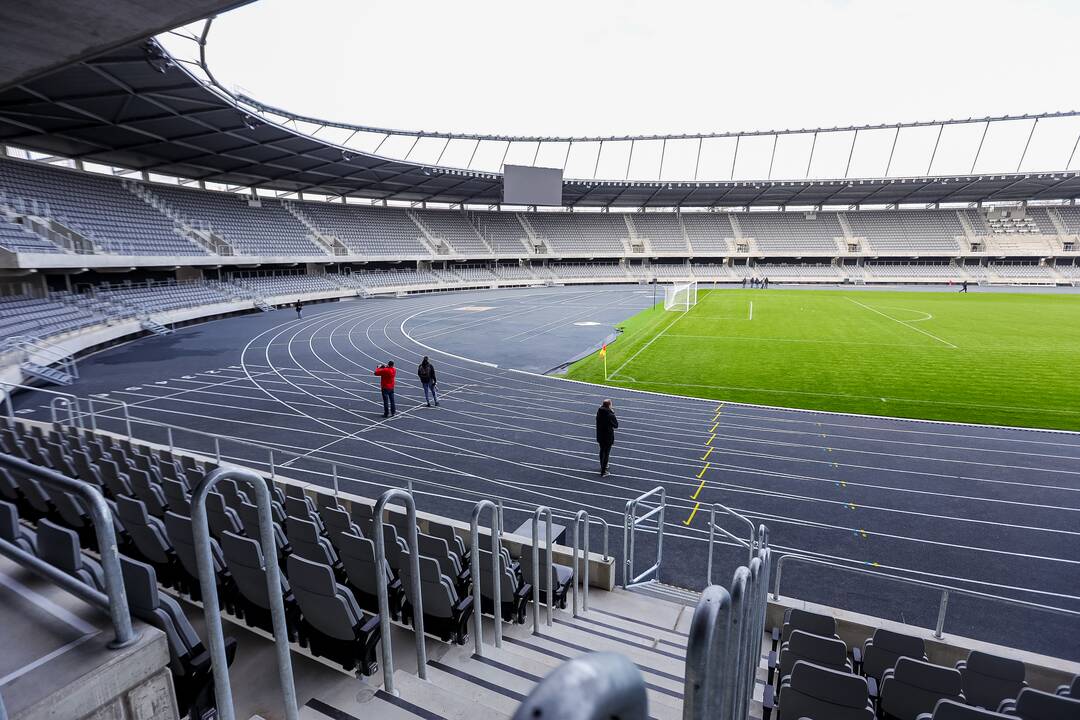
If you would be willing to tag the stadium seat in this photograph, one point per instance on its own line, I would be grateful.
(446, 614)
(189, 660)
(181, 535)
(1071, 690)
(1032, 704)
(811, 622)
(146, 489)
(308, 543)
(989, 679)
(811, 691)
(246, 564)
(12, 531)
(952, 710)
(59, 547)
(338, 522)
(914, 687)
(221, 517)
(823, 651)
(358, 558)
(334, 625)
(249, 518)
(150, 538)
(434, 547)
(561, 577)
(881, 652)
(513, 594)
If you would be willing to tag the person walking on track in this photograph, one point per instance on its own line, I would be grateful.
(426, 373)
(387, 374)
(299, 306)
(963, 288)
(606, 423)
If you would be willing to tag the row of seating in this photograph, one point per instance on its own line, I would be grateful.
(891, 677)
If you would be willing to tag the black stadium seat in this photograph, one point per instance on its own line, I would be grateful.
(802, 646)
(13, 532)
(59, 547)
(881, 652)
(1033, 704)
(811, 622)
(514, 595)
(815, 692)
(1071, 690)
(989, 679)
(952, 710)
(914, 687)
(358, 557)
(446, 614)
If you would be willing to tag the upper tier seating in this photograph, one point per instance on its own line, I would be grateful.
(908, 231)
(663, 231)
(276, 285)
(1070, 218)
(99, 207)
(14, 237)
(368, 230)
(581, 232)
(454, 228)
(504, 233)
(791, 232)
(708, 232)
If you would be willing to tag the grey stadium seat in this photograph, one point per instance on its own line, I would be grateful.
(453, 540)
(182, 538)
(59, 547)
(1033, 704)
(338, 522)
(147, 490)
(823, 651)
(914, 687)
(221, 517)
(358, 557)
(513, 594)
(334, 625)
(189, 660)
(881, 652)
(813, 623)
(815, 692)
(989, 679)
(435, 547)
(952, 710)
(249, 518)
(150, 539)
(562, 575)
(446, 614)
(177, 496)
(246, 564)
(13, 532)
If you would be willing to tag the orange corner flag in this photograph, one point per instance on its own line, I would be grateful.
(603, 350)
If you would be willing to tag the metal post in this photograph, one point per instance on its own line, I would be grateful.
(735, 157)
(941, 614)
(810, 160)
(168, 433)
(851, 153)
(1027, 144)
(502, 523)
(978, 150)
(542, 510)
(496, 575)
(104, 532)
(933, 154)
(334, 470)
(895, 137)
(208, 585)
(273, 465)
(217, 448)
(582, 517)
(414, 587)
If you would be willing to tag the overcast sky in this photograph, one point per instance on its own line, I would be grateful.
(609, 67)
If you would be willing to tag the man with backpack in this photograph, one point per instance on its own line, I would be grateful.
(426, 373)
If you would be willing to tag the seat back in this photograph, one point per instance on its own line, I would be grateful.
(11, 531)
(221, 518)
(1034, 704)
(914, 687)
(245, 560)
(824, 651)
(812, 691)
(148, 533)
(436, 589)
(881, 652)
(507, 579)
(161, 611)
(177, 496)
(59, 547)
(434, 547)
(327, 606)
(182, 536)
(308, 543)
(358, 558)
(337, 521)
(952, 710)
(988, 679)
(811, 622)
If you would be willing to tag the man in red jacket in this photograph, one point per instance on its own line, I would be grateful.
(387, 374)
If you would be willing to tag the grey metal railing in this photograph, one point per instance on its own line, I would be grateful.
(114, 599)
(542, 511)
(724, 644)
(631, 522)
(582, 518)
(750, 544)
(415, 594)
(208, 585)
(496, 575)
(945, 590)
(599, 686)
(3, 710)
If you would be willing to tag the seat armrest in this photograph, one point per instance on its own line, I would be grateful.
(525, 590)
(775, 637)
(856, 660)
(1007, 706)
(370, 625)
(772, 666)
(872, 688)
(463, 605)
(961, 664)
(768, 702)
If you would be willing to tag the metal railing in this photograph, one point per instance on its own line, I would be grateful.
(631, 522)
(724, 644)
(599, 686)
(114, 599)
(582, 518)
(750, 544)
(944, 589)
(208, 585)
(415, 594)
(477, 577)
(542, 511)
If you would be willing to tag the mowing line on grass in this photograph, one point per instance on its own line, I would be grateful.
(651, 341)
(904, 323)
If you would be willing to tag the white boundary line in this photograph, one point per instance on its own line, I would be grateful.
(905, 324)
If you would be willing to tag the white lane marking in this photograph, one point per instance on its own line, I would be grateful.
(750, 318)
(906, 324)
(653, 339)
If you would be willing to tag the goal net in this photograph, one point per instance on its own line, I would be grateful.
(680, 297)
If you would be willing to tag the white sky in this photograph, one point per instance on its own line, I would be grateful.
(610, 67)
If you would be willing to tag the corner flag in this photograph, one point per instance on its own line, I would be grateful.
(603, 354)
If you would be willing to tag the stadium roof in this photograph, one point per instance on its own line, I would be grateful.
(45, 35)
(138, 108)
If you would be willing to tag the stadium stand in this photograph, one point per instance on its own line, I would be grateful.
(662, 230)
(25, 315)
(16, 238)
(792, 233)
(368, 230)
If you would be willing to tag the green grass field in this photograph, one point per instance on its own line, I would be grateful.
(1001, 358)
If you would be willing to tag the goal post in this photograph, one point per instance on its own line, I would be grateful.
(680, 297)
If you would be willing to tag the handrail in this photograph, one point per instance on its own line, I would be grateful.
(72, 408)
(496, 575)
(707, 645)
(542, 511)
(945, 590)
(416, 598)
(597, 686)
(581, 517)
(3, 711)
(8, 388)
(208, 585)
(713, 527)
(114, 598)
(604, 526)
(630, 523)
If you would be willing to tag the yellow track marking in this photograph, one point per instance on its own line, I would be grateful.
(693, 512)
(707, 454)
(704, 469)
(696, 492)
(709, 441)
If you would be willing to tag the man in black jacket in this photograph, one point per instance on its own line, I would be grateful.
(606, 422)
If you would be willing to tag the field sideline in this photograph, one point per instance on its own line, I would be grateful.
(1002, 358)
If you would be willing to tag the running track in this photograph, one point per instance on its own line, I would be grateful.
(990, 510)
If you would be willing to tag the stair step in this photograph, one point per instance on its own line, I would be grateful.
(657, 661)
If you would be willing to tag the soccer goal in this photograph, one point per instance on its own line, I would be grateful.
(680, 297)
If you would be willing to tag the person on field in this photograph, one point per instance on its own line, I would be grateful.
(963, 288)
(299, 307)
(387, 374)
(606, 423)
(426, 373)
